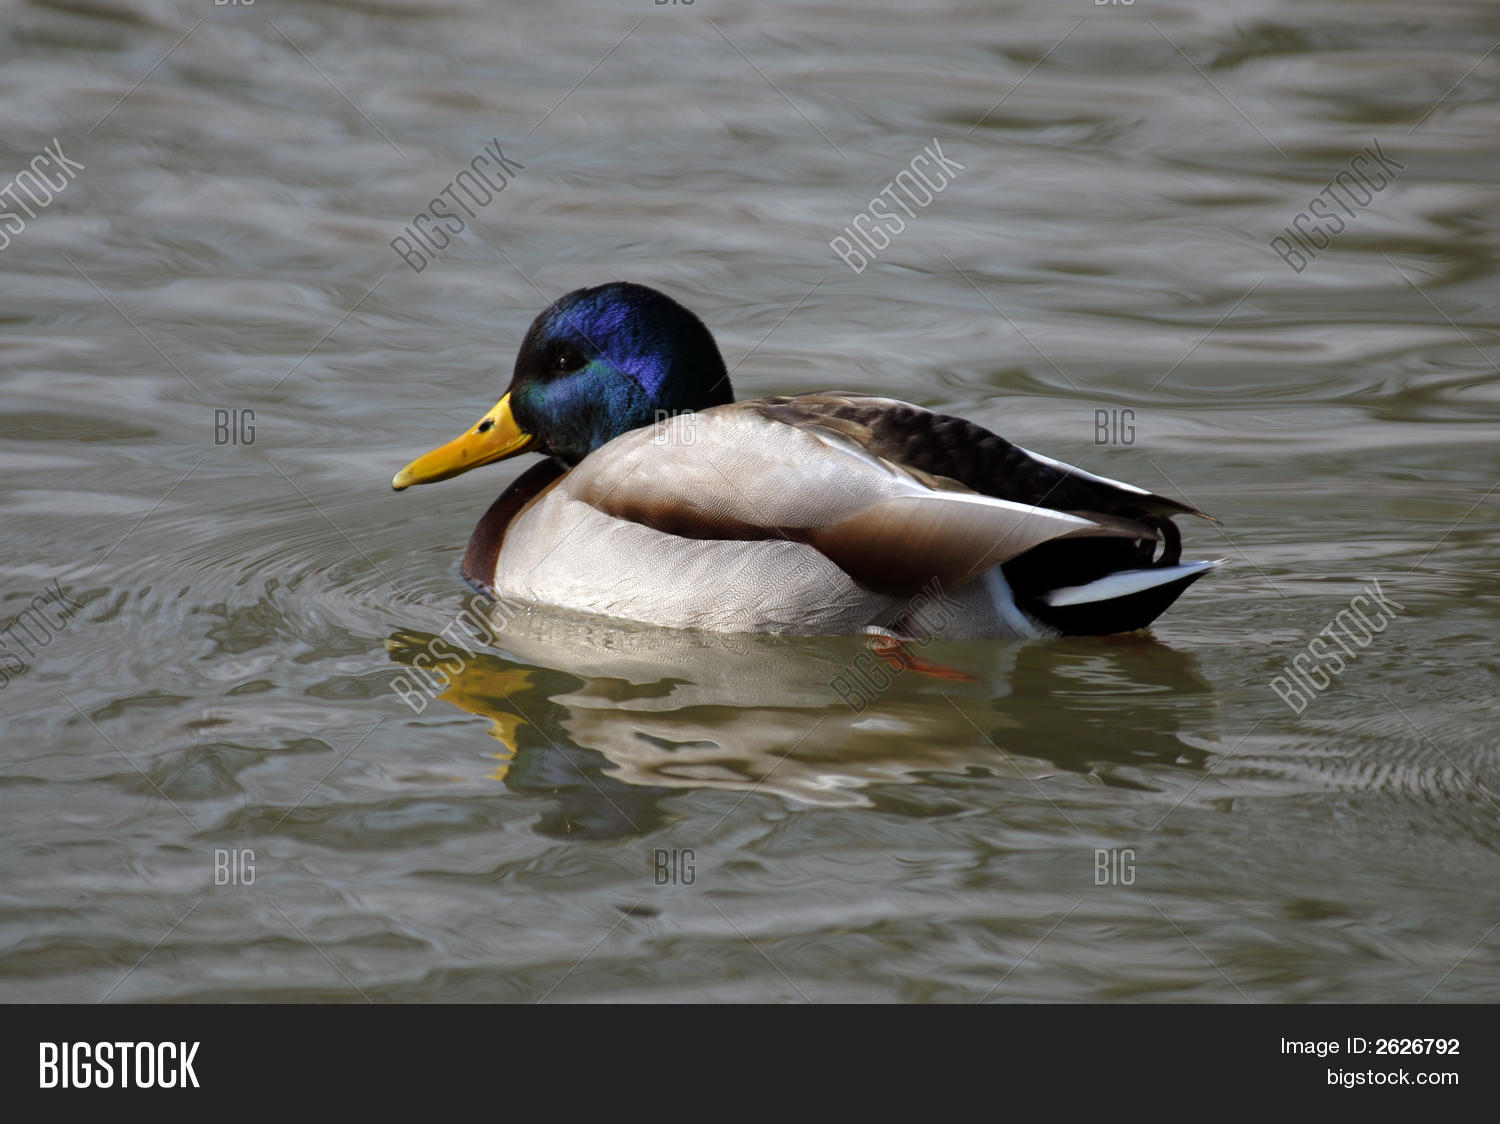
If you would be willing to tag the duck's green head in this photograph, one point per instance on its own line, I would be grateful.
(598, 363)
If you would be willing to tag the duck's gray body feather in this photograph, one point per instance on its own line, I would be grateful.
(796, 515)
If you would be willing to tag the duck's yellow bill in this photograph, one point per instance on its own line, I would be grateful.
(493, 438)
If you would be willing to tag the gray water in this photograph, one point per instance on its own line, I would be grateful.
(1131, 818)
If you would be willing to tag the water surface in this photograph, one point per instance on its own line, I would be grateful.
(596, 811)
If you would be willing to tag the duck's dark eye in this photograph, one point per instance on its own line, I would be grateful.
(567, 361)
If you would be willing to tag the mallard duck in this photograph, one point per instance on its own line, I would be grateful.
(661, 499)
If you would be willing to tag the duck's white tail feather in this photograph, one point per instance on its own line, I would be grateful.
(1126, 582)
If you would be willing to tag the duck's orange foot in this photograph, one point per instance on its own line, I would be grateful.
(896, 652)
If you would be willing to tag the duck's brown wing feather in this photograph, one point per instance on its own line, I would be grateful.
(946, 446)
(941, 447)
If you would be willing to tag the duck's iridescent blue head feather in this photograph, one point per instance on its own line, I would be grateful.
(600, 362)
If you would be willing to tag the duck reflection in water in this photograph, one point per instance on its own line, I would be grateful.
(610, 718)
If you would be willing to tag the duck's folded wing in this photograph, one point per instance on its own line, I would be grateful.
(962, 450)
(741, 472)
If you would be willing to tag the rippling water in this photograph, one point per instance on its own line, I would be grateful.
(599, 811)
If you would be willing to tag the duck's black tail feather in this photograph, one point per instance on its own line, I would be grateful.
(1119, 602)
(1088, 586)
